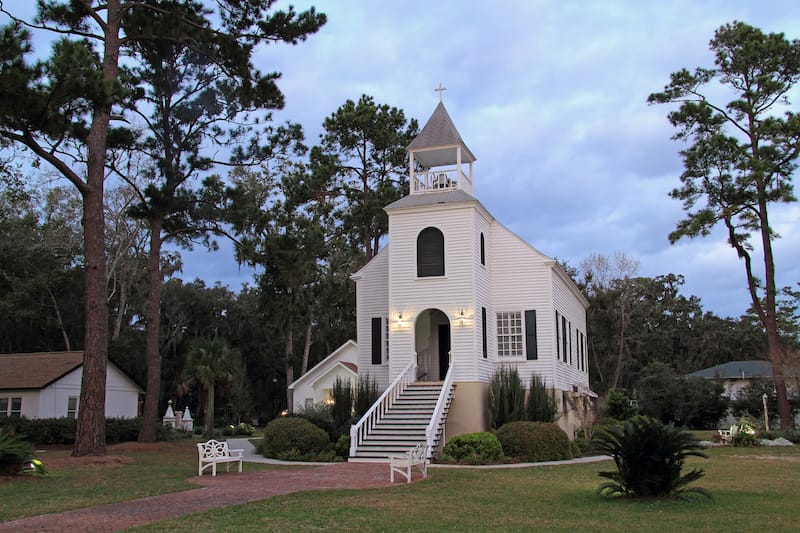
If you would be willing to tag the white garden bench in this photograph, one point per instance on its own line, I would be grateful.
(402, 464)
(213, 452)
(726, 435)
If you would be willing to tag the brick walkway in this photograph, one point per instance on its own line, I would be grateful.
(224, 490)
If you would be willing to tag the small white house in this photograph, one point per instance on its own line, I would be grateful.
(48, 385)
(315, 386)
(455, 295)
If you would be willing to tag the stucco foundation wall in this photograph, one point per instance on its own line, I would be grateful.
(468, 412)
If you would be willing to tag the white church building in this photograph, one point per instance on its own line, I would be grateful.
(453, 297)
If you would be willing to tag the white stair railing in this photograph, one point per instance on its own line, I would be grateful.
(362, 428)
(438, 412)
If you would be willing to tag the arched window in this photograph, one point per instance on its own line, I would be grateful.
(483, 250)
(430, 253)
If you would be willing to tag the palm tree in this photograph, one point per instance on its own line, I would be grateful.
(209, 362)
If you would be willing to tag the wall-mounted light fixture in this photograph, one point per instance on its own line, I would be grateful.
(401, 321)
(461, 317)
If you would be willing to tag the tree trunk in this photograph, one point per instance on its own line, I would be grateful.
(59, 321)
(306, 350)
(210, 411)
(288, 363)
(90, 436)
(152, 353)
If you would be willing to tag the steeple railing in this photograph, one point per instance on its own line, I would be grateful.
(437, 180)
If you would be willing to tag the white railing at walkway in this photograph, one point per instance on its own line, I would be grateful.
(362, 428)
(438, 412)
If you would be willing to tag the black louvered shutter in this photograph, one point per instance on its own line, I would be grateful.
(531, 349)
(430, 253)
(376, 341)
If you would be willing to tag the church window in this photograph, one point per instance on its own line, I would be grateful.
(430, 253)
(483, 250)
(564, 339)
(558, 341)
(509, 334)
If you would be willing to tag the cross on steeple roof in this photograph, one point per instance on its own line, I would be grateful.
(440, 90)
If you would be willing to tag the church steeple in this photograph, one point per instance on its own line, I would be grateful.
(438, 155)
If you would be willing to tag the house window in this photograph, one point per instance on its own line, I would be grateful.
(386, 337)
(564, 337)
(509, 334)
(570, 343)
(483, 250)
(72, 407)
(430, 253)
(309, 403)
(10, 406)
(485, 333)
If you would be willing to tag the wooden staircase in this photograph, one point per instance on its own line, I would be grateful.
(403, 424)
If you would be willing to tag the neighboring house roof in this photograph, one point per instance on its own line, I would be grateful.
(36, 370)
(324, 372)
(736, 370)
(439, 131)
(328, 362)
(40, 369)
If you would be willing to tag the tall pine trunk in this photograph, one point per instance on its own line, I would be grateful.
(152, 353)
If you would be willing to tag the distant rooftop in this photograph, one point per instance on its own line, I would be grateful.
(736, 370)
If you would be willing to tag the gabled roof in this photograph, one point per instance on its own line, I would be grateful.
(736, 370)
(439, 131)
(36, 370)
(329, 362)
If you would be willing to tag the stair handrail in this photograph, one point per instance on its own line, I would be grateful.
(362, 428)
(438, 411)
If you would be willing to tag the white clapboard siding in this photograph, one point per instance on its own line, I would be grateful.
(372, 300)
(521, 281)
(483, 297)
(570, 306)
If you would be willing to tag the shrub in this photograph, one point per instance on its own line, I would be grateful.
(619, 406)
(16, 453)
(242, 428)
(534, 441)
(294, 439)
(318, 414)
(366, 394)
(473, 448)
(62, 430)
(506, 397)
(342, 446)
(541, 407)
(649, 457)
(343, 400)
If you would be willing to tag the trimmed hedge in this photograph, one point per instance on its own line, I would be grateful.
(62, 430)
(534, 441)
(473, 448)
(294, 439)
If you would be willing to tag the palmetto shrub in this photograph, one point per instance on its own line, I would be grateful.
(649, 457)
(16, 453)
(473, 448)
(534, 441)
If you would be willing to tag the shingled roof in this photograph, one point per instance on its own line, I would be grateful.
(36, 370)
(736, 370)
(439, 131)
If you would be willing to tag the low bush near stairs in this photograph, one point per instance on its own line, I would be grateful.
(531, 442)
(294, 439)
(473, 448)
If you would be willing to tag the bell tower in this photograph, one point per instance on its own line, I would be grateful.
(438, 158)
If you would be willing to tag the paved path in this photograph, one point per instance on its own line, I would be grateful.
(221, 491)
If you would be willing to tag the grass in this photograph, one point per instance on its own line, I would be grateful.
(754, 490)
(129, 471)
(750, 487)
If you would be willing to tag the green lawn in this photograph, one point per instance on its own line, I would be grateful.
(755, 489)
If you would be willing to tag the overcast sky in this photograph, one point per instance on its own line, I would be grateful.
(550, 96)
